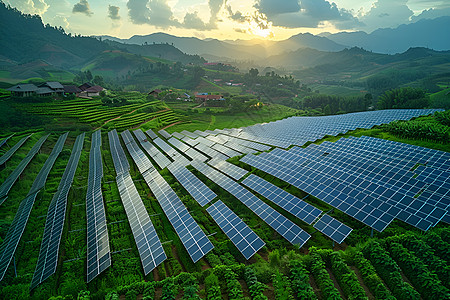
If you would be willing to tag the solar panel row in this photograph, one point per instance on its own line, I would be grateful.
(12, 178)
(247, 242)
(5, 140)
(332, 228)
(149, 246)
(151, 134)
(48, 254)
(120, 160)
(17, 227)
(195, 187)
(161, 160)
(98, 251)
(164, 134)
(299, 208)
(139, 157)
(274, 219)
(191, 235)
(5, 157)
(210, 152)
(171, 152)
(229, 169)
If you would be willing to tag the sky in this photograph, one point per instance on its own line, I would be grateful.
(229, 19)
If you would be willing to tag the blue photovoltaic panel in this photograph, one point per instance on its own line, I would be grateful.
(189, 134)
(120, 160)
(98, 251)
(178, 135)
(332, 228)
(247, 242)
(290, 231)
(191, 235)
(195, 187)
(164, 133)
(231, 170)
(149, 246)
(17, 227)
(5, 140)
(196, 155)
(12, 178)
(139, 157)
(171, 152)
(210, 152)
(225, 150)
(48, 254)
(5, 157)
(161, 160)
(179, 144)
(283, 199)
(151, 134)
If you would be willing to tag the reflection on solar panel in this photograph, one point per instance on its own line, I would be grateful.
(120, 161)
(249, 144)
(165, 134)
(195, 187)
(210, 152)
(5, 157)
(225, 150)
(274, 219)
(240, 148)
(172, 153)
(179, 145)
(193, 238)
(48, 254)
(189, 134)
(98, 252)
(323, 187)
(151, 134)
(190, 141)
(178, 135)
(15, 231)
(5, 140)
(149, 246)
(247, 242)
(200, 133)
(333, 228)
(161, 160)
(139, 157)
(196, 155)
(231, 170)
(283, 199)
(12, 178)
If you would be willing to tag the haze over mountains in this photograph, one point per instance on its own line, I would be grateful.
(429, 33)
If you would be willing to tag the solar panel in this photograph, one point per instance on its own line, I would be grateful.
(161, 160)
(195, 155)
(189, 134)
(5, 140)
(210, 152)
(178, 135)
(120, 160)
(12, 178)
(171, 152)
(225, 150)
(201, 133)
(48, 254)
(139, 157)
(231, 170)
(149, 246)
(165, 134)
(299, 208)
(290, 231)
(195, 187)
(247, 242)
(17, 227)
(98, 252)
(190, 141)
(151, 134)
(332, 228)
(179, 145)
(191, 235)
(5, 157)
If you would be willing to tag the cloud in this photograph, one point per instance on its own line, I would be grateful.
(239, 30)
(237, 16)
(82, 7)
(305, 13)
(113, 12)
(386, 13)
(30, 6)
(431, 13)
(193, 21)
(154, 12)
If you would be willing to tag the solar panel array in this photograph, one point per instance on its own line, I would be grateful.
(332, 228)
(368, 178)
(210, 152)
(179, 145)
(225, 150)
(138, 156)
(120, 160)
(299, 208)
(171, 152)
(321, 186)
(151, 134)
(161, 160)
(191, 235)
(225, 140)
(5, 157)
(98, 252)
(165, 134)
(231, 170)
(274, 219)
(149, 246)
(12, 178)
(17, 227)
(195, 187)
(196, 155)
(189, 134)
(247, 242)
(177, 135)
(48, 254)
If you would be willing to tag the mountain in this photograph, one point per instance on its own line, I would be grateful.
(429, 33)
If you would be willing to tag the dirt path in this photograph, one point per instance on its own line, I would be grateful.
(361, 282)
(316, 289)
(175, 254)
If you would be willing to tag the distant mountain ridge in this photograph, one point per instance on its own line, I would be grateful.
(429, 33)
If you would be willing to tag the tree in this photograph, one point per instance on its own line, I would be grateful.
(406, 97)
(253, 72)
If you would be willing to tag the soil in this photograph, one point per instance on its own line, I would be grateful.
(316, 289)
(175, 254)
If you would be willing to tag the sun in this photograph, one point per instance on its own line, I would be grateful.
(261, 28)
(262, 32)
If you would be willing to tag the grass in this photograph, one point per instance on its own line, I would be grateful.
(204, 121)
(337, 90)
